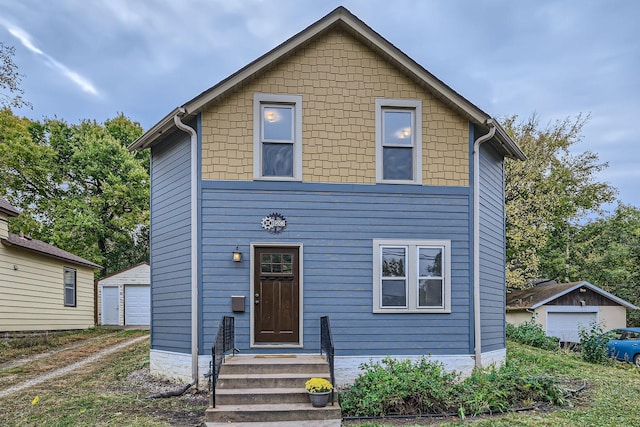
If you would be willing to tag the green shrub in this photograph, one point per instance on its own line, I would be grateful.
(531, 333)
(593, 344)
(399, 387)
(425, 387)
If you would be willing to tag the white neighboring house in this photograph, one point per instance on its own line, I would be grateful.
(125, 297)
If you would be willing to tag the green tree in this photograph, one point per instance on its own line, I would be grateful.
(547, 196)
(606, 252)
(10, 90)
(77, 186)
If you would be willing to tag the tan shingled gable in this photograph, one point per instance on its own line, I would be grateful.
(338, 19)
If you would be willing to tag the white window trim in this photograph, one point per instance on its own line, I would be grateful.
(266, 98)
(416, 105)
(412, 274)
(75, 287)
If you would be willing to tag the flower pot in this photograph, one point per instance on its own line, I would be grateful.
(319, 399)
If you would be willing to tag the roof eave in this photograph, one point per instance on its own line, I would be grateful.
(510, 147)
(594, 289)
(85, 263)
(148, 138)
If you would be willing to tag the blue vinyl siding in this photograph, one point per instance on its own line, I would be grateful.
(336, 225)
(170, 246)
(492, 250)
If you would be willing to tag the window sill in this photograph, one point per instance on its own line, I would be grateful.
(412, 310)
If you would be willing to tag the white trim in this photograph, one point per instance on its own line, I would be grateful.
(412, 275)
(416, 106)
(300, 248)
(292, 100)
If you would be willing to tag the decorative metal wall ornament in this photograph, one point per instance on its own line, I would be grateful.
(274, 223)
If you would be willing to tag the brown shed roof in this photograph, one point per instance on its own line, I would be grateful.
(537, 296)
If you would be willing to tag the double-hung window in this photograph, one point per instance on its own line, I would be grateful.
(69, 275)
(412, 276)
(399, 141)
(277, 130)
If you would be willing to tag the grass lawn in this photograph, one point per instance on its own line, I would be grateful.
(113, 392)
(109, 392)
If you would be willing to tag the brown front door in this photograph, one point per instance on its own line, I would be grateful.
(276, 295)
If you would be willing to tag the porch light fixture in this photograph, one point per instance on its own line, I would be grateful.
(237, 255)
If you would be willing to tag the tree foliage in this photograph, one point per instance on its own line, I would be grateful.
(546, 196)
(606, 252)
(77, 186)
(10, 90)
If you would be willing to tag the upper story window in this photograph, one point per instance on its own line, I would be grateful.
(277, 130)
(69, 287)
(399, 141)
(412, 276)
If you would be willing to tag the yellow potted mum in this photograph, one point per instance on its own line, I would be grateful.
(319, 390)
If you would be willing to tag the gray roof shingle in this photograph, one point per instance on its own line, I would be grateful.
(6, 208)
(46, 249)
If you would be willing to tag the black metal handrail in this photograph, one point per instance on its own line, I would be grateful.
(225, 342)
(326, 347)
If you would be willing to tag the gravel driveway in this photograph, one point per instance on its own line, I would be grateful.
(63, 370)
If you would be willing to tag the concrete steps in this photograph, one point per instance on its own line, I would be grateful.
(270, 389)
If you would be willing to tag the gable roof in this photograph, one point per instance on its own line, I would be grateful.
(537, 296)
(340, 18)
(46, 249)
(144, 266)
(6, 208)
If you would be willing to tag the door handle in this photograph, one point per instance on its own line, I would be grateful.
(256, 302)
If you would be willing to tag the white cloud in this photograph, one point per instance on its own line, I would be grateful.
(82, 82)
(24, 39)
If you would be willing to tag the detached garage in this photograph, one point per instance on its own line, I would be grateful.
(564, 308)
(124, 298)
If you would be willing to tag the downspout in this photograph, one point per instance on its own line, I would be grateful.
(477, 331)
(194, 242)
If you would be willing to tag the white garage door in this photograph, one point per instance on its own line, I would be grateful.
(137, 305)
(565, 325)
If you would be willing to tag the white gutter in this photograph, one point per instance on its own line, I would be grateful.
(194, 241)
(476, 240)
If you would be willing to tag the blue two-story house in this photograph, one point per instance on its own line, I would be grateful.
(332, 176)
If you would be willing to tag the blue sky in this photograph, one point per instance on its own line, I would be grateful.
(97, 58)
